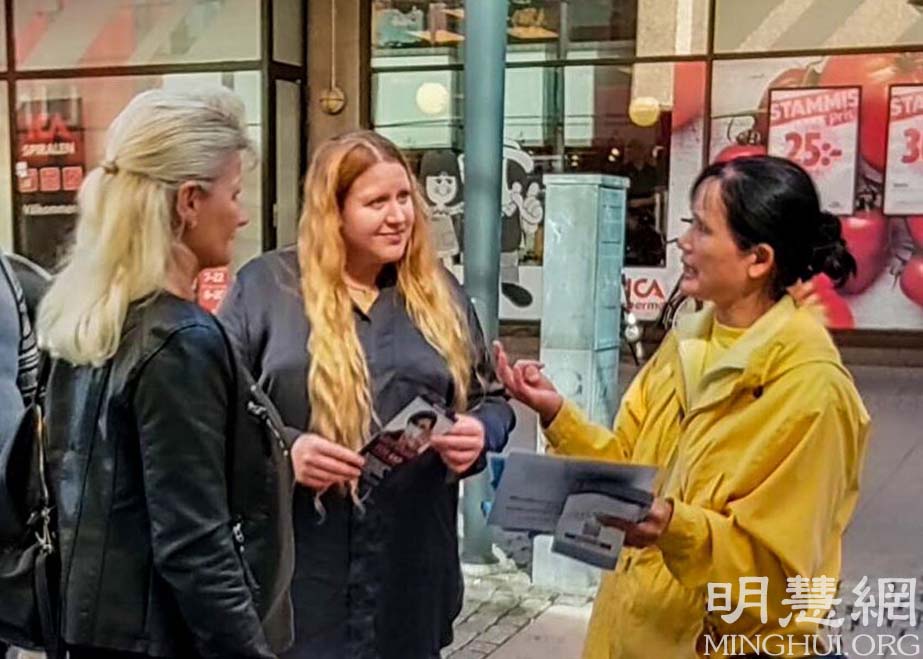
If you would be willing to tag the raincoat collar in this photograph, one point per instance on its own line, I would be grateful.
(746, 364)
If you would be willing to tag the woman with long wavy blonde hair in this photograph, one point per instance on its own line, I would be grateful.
(344, 331)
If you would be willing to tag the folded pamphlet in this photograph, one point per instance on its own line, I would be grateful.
(571, 499)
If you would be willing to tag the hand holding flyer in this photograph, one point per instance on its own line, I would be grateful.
(462, 444)
(402, 440)
(577, 500)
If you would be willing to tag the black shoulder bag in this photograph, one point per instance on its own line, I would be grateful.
(29, 559)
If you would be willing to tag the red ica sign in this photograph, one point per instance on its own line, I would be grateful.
(646, 296)
(49, 169)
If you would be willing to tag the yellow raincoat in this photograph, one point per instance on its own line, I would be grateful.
(762, 464)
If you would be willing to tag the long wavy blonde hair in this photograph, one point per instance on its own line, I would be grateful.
(127, 227)
(338, 376)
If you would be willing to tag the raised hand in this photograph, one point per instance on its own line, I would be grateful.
(525, 382)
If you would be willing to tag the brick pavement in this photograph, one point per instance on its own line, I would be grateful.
(500, 602)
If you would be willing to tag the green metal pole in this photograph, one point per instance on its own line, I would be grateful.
(485, 68)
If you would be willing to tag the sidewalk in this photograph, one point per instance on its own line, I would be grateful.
(506, 617)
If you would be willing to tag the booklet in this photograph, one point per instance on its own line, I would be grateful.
(571, 498)
(402, 440)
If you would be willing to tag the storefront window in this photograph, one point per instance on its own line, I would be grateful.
(844, 145)
(120, 32)
(531, 107)
(672, 27)
(418, 109)
(6, 202)
(60, 133)
(437, 27)
(288, 171)
(603, 21)
(588, 90)
(549, 29)
(288, 23)
(643, 121)
(773, 25)
(584, 28)
(2, 39)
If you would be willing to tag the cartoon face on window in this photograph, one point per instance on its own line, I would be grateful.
(441, 188)
(532, 212)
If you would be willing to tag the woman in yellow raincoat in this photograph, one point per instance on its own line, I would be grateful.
(756, 424)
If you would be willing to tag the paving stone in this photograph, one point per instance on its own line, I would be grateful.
(467, 631)
(498, 633)
(518, 618)
(534, 604)
(500, 603)
(481, 591)
(571, 600)
(482, 620)
(482, 645)
(462, 638)
(468, 608)
(465, 653)
(455, 647)
(541, 592)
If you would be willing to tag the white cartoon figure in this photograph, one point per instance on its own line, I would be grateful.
(439, 171)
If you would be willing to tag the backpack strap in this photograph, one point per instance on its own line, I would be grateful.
(47, 564)
(28, 353)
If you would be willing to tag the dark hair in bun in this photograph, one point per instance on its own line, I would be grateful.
(773, 201)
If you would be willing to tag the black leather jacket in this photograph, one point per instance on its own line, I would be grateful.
(146, 453)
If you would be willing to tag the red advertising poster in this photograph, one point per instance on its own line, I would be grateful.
(904, 170)
(887, 292)
(49, 170)
(819, 129)
(212, 286)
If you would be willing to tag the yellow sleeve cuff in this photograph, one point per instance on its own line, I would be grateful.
(567, 428)
(683, 544)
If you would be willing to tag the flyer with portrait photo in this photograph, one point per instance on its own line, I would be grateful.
(402, 440)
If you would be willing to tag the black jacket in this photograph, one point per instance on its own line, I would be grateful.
(146, 453)
(383, 583)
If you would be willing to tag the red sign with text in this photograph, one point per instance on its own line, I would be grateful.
(818, 128)
(49, 169)
(904, 171)
(212, 286)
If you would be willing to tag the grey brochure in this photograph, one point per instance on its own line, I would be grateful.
(534, 487)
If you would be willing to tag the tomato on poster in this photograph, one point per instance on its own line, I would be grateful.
(875, 73)
(868, 237)
(912, 279)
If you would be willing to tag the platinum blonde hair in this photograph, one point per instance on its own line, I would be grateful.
(127, 226)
